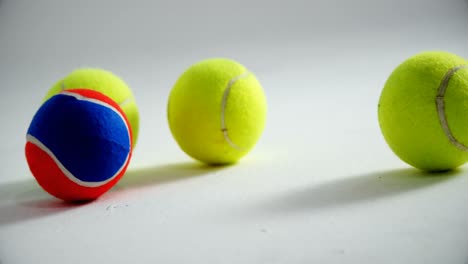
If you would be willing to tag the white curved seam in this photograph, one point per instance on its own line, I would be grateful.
(223, 109)
(95, 101)
(126, 101)
(440, 104)
(66, 172)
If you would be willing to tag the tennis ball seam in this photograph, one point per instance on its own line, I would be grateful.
(66, 172)
(126, 101)
(223, 109)
(440, 104)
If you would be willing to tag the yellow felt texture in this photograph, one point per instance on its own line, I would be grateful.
(195, 111)
(104, 82)
(408, 114)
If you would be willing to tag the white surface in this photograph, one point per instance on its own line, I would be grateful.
(320, 187)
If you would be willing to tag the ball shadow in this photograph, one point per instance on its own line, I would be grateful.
(25, 200)
(162, 174)
(355, 189)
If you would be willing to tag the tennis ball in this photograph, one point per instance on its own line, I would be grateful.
(217, 111)
(78, 145)
(423, 111)
(104, 82)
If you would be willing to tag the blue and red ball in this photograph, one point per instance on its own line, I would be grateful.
(79, 145)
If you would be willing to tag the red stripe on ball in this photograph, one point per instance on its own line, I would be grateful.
(52, 179)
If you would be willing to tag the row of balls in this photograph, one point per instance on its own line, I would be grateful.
(80, 141)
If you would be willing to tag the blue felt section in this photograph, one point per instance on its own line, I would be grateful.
(90, 140)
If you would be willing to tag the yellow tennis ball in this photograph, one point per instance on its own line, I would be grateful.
(106, 83)
(423, 111)
(217, 111)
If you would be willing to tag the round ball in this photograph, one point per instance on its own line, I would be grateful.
(422, 111)
(78, 145)
(217, 111)
(104, 82)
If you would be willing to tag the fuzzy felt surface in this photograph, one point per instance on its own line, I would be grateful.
(408, 114)
(105, 82)
(78, 138)
(52, 179)
(208, 129)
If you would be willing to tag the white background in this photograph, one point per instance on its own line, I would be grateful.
(321, 186)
